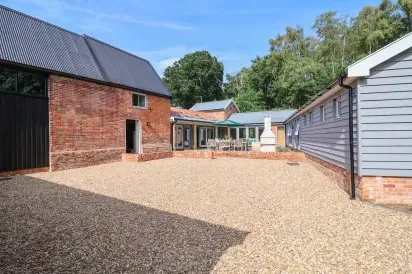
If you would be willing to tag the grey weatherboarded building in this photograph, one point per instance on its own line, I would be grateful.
(382, 124)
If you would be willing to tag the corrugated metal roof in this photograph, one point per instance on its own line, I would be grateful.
(32, 42)
(215, 105)
(29, 41)
(258, 117)
(123, 68)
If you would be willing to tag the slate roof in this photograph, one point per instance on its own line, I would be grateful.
(28, 41)
(190, 115)
(278, 116)
(214, 105)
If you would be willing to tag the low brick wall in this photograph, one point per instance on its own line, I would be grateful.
(24, 171)
(287, 156)
(337, 174)
(84, 158)
(378, 190)
(193, 154)
(386, 190)
(131, 157)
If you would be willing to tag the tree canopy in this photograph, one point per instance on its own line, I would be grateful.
(197, 75)
(297, 65)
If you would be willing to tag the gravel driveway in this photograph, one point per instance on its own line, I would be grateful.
(196, 216)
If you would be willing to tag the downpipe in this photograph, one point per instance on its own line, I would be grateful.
(351, 152)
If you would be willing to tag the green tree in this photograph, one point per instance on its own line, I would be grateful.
(196, 74)
(406, 14)
(298, 66)
(234, 83)
(249, 100)
(377, 26)
(332, 32)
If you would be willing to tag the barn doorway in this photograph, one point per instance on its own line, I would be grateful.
(133, 136)
(24, 119)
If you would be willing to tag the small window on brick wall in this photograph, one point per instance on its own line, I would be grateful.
(139, 100)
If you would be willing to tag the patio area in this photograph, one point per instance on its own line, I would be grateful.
(224, 215)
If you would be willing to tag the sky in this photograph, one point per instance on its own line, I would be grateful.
(163, 31)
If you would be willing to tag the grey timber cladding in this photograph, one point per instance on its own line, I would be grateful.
(28, 41)
(328, 140)
(386, 118)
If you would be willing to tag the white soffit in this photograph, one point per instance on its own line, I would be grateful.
(363, 66)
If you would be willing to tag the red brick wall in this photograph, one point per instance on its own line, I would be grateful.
(379, 190)
(386, 190)
(337, 174)
(223, 114)
(287, 156)
(87, 123)
(131, 157)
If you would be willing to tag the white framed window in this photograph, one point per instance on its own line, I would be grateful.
(336, 107)
(322, 113)
(139, 100)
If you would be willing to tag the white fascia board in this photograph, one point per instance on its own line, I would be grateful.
(363, 66)
(230, 102)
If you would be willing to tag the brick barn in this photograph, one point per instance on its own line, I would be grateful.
(69, 100)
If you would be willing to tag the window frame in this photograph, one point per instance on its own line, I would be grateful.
(253, 130)
(311, 118)
(145, 100)
(18, 70)
(322, 113)
(337, 108)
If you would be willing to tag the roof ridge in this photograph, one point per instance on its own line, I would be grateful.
(38, 20)
(116, 48)
(213, 101)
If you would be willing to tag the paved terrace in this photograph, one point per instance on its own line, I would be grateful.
(196, 216)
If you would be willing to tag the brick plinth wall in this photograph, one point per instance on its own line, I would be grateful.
(337, 174)
(24, 171)
(287, 156)
(386, 190)
(132, 157)
(88, 123)
(378, 190)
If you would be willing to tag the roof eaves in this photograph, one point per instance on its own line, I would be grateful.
(234, 103)
(363, 66)
(192, 119)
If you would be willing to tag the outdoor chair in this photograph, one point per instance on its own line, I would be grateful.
(237, 145)
(211, 144)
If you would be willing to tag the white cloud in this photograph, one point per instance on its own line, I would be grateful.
(94, 25)
(167, 62)
(56, 7)
(164, 57)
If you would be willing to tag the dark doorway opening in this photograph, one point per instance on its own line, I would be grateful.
(132, 136)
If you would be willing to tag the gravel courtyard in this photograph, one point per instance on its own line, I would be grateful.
(196, 216)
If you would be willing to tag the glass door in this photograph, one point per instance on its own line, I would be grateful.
(202, 137)
(179, 137)
(186, 137)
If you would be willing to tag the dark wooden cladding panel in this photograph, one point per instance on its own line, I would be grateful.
(24, 128)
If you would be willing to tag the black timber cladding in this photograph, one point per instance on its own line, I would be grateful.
(24, 132)
(31, 42)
